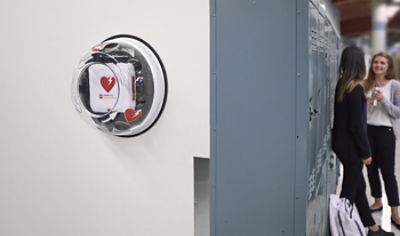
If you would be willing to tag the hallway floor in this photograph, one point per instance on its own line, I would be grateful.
(383, 217)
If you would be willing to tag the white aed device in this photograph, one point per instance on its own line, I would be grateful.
(120, 86)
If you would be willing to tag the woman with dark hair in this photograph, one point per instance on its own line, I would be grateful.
(383, 99)
(349, 134)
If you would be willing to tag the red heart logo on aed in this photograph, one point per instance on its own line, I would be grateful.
(132, 115)
(107, 83)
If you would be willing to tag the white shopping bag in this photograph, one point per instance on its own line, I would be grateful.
(344, 219)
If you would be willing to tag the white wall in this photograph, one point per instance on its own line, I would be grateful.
(59, 176)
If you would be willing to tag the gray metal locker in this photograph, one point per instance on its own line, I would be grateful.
(273, 70)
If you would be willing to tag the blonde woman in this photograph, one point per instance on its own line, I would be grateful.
(383, 94)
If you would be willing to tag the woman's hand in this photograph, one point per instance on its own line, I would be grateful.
(369, 100)
(367, 161)
(378, 95)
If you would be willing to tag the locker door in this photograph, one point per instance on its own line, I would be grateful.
(315, 218)
(253, 118)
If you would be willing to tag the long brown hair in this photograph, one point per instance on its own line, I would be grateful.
(351, 70)
(390, 74)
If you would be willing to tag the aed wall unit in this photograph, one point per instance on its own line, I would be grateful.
(273, 72)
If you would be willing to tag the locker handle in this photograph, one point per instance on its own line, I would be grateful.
(312, 113)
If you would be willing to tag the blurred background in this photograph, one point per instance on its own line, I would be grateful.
(373, 25)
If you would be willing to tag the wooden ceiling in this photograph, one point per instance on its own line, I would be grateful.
(356, 19)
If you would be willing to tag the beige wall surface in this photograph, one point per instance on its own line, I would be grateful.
(58, 175)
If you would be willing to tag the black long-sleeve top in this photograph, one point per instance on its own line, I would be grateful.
(349, 135)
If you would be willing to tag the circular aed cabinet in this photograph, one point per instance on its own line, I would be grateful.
(120, 86)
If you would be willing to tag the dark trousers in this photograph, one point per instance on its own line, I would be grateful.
(353, 188)
(382, 142)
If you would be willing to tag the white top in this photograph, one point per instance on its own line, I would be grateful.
(377, 115)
